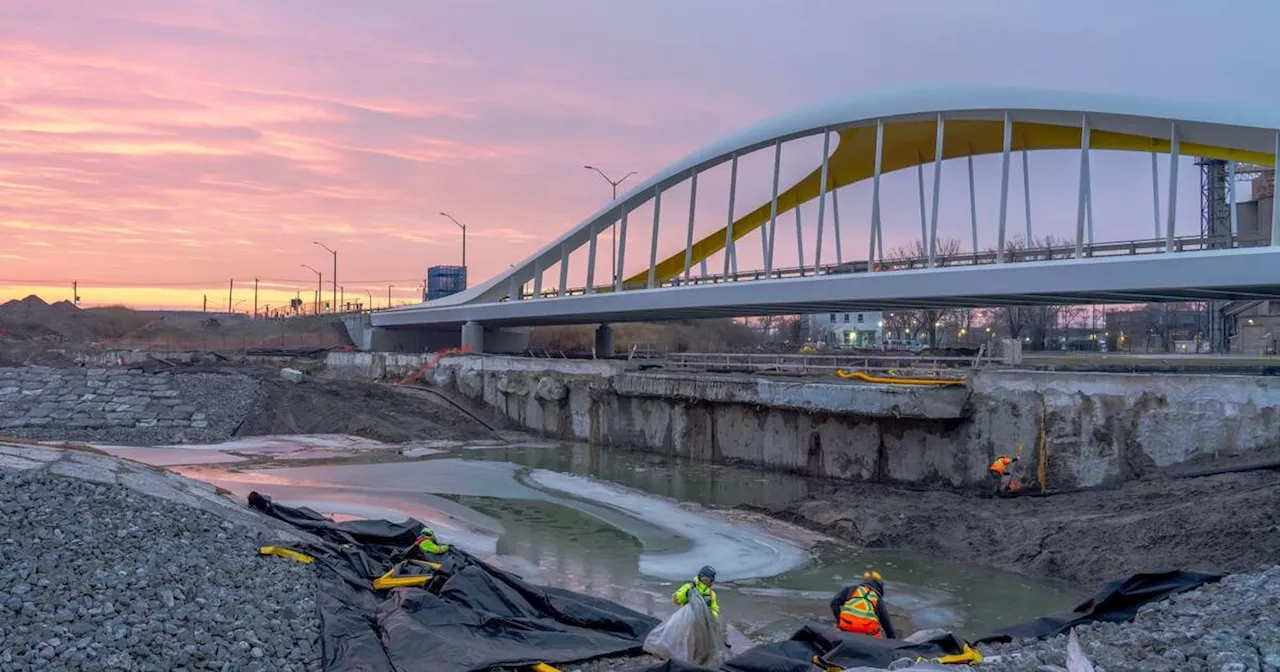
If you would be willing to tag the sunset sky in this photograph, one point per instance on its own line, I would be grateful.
(153, 150)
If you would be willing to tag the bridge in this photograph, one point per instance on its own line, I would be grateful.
(864, 138)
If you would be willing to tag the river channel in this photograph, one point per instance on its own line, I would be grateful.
(621, 525)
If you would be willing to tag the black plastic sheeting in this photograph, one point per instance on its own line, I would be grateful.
(1117, 602)
(833, 646)
(470, 618)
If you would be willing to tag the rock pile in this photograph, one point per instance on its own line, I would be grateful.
(1231, 626)
(95, 574)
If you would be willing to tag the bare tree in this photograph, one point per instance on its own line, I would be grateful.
(1035, 323)
(928, 320)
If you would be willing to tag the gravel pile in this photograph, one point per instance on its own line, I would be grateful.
(96, 576)
(224, 398)
(1231, 626)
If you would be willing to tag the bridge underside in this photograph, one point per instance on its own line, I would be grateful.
(1187, 276)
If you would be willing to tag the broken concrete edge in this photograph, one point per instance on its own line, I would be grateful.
(87, 463)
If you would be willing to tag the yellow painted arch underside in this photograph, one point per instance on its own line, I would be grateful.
(907, 145)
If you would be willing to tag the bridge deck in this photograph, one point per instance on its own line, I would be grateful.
(1210, 275)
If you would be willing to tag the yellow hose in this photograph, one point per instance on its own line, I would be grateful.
(859, 375)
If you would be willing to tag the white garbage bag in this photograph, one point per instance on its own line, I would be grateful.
(692, 635)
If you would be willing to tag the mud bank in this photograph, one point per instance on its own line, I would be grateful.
(1077, 429)
(1224, 523)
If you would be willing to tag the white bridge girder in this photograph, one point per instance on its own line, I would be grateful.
(1239, 274)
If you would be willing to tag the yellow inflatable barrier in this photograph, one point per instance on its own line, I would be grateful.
(867, 378)
(286, 553)
(543, 667)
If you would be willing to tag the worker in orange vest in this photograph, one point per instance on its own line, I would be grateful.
(860, 608)
(1002, 473)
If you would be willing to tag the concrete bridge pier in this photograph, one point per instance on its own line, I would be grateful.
(604, 341)
(473, 337)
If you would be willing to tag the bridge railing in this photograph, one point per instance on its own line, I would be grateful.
(892, 364)
(988, 257)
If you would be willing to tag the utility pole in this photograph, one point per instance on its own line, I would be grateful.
(613, 228)
(319, 285)
(255, 298)
(389, 295)
(231, 289)
(205, 308)
(75, 292)
(335, 273)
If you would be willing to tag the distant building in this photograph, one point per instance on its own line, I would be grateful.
(1168, 327)
(1252, 326)
(849, 330)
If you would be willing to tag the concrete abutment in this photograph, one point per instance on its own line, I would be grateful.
(1097, 428)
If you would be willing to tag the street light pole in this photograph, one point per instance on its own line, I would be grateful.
(613, 228)
(335, 274)
(319, 284)
(462, 226)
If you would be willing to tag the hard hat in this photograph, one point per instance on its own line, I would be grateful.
(708, 571)
(427, 532)
(875, 579)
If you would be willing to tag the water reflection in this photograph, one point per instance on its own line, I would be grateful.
(517, 502)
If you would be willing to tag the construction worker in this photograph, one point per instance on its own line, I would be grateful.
(1002, 473)
(860, 608)
(702, 582)
(426, 546)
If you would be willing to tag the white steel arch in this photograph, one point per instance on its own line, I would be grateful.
(969, 114)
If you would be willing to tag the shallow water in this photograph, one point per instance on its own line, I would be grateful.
(629, 527)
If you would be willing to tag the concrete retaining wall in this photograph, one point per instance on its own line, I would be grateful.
(1099, 428)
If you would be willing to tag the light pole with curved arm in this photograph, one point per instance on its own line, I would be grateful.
(613, 228)
(462, 226)
(319, 284)
(335, 272)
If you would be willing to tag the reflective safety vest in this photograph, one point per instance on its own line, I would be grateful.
(858, 613)
(429, 545)
(1001, 465)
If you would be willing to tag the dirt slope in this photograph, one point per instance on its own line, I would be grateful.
(377, 412)
(1223, 523)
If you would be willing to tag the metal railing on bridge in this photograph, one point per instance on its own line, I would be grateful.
(905, 364)
(988, 257)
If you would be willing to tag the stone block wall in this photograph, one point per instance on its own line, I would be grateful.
(129, 406)
(93, 398)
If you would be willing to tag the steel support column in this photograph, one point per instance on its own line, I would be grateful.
(937, 192)
(729, 253)
(591, 262)
(688, 240)
(1004, 189)
(653, 242)
(875, 195)
(822, 199)
(622, 251)
(1084, 186)
(773, 208)
(1174, 141)
(1155, 194)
